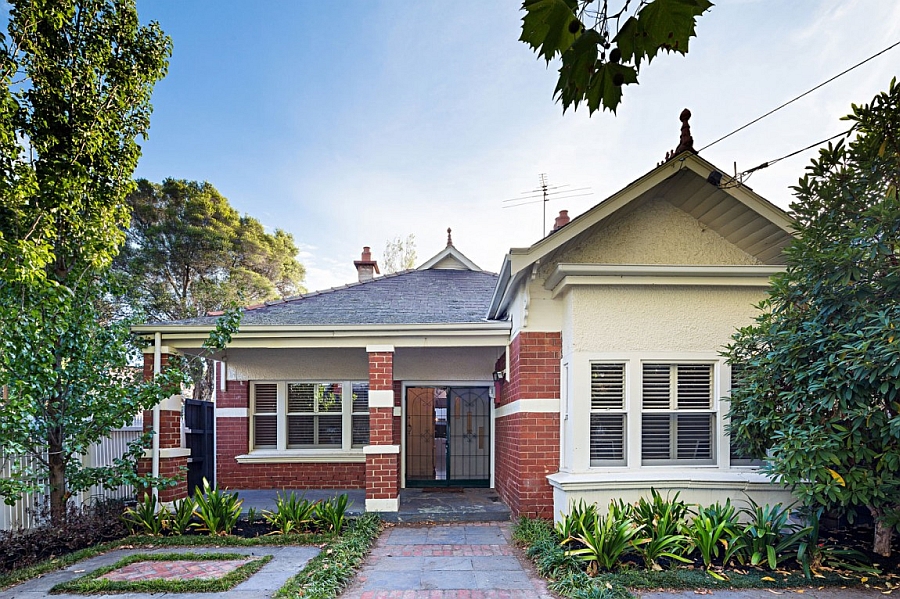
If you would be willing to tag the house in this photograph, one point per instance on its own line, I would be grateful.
(589, 368)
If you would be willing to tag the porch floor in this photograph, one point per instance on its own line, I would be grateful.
(416, 505)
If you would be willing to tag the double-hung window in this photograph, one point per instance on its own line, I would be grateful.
(608, 417)
(678, 421)
(309, 415)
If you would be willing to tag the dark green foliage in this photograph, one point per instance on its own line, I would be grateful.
(769, 535)
(292, 514)
(329, 515)
(217, 509)
(602, 540)
(147, 517)
(662, 523)
(84, 527)
(714, 531)
(93, 584)
(820, 395)
(327, 574)
(601, 49)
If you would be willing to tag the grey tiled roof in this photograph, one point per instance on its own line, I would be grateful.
(435, 296)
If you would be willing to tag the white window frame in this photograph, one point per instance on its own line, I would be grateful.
(346, 414)
(673, 412)
(577, 424)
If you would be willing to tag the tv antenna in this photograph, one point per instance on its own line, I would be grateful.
(545, 192)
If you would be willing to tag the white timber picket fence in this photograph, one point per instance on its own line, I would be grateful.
(25, 512)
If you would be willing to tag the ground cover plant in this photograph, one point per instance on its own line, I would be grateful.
(92, 583)
(327, 574)
(662, 542)
(26, 553)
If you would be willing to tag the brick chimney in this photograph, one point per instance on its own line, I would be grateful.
(365, 266)
(561, 221)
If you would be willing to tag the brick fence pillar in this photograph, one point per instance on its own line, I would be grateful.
(382, 454)
(172, 456)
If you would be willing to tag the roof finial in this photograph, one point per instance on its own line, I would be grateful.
(686, 143)
(449, 239)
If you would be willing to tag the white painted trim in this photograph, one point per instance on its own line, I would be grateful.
(232, 413)
(172, 403)
(169, 452)
(298, 456)
(383, 505)
(455, 254)
(381, 398)
(643, 478)
(380, 449)
(380, 349)
(163, 349)
(567, 275)
(528, 406)
(398, 411)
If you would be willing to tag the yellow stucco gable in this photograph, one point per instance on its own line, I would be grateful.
(652, 231)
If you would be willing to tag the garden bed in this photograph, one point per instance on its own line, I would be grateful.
(662, 543)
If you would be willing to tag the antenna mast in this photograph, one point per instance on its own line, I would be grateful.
(544, 193)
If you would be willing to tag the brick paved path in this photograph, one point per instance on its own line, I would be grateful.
(449, 561)
(176, 570)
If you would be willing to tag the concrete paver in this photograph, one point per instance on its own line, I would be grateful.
(446, 561)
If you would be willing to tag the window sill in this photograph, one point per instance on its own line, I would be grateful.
(299, 456)
(701, 477)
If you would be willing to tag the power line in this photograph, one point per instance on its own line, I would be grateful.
(744, 175)
(806, 93)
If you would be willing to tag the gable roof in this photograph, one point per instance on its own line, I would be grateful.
(738, 214)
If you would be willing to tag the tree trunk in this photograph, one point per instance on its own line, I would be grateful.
(883, 533)
(57, 479)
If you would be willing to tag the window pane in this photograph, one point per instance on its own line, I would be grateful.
(360, 435)
(300, 397)
(330, 430)
(655, 437)
(300, 430)
(265, 431)
(360, 397)
(266, 398)
(330, 397)
(607, 438)
(694, 386)
(656, 389)
(607, 386)
(694, 436)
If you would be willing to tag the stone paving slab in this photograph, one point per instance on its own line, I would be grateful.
(446, 561)
(286, 561)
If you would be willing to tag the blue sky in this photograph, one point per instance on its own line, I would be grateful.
(349, 123)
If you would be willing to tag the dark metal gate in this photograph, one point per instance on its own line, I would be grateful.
(448, 436)
(199, 422)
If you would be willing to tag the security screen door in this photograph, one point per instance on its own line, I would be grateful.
(448, 436)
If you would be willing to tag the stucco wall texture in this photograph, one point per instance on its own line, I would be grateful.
(652, 232)
(657, 318)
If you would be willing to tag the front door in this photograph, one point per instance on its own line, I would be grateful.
(448, 436)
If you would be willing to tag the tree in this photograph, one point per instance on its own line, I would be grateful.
(399, 254)
(821, 385)
(602, 50)
(78, 75)
(188, 252)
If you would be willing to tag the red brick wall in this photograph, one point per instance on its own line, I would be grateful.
(168, 468)
(233, 439)
(381, 371)
(527, 443)
(381, 426)
(381, 476)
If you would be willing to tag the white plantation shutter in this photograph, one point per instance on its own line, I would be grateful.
(265, 417)
(677, 421)
(360, 417)
(607, 443)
